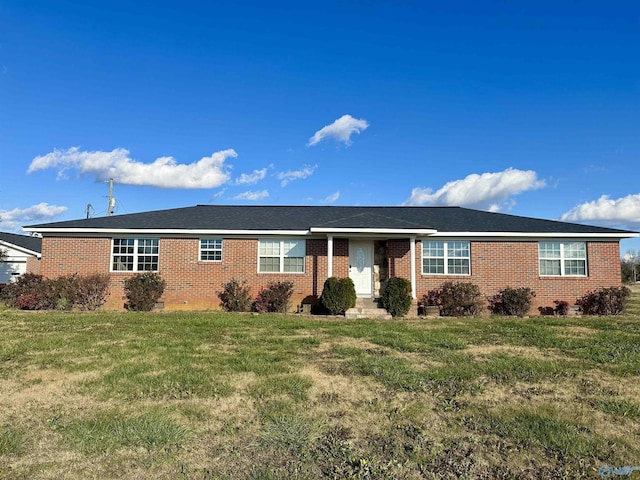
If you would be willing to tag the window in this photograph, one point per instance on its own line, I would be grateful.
(211, 249)
(446, 258)
(281, 256)
(563, 258)
(135, 254)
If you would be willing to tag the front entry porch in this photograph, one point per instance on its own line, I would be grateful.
(372, 260)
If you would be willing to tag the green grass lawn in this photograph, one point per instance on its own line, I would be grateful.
(216, 395)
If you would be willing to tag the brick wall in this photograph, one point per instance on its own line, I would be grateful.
(33, 265)
(496, 265)
(193, 285)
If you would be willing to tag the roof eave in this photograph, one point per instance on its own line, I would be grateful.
(20, 248)
(335, 231)
(621, 234)
(165, 231)
(373, 231)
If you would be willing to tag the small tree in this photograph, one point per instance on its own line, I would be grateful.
(396, 297)
(338, 295)
(3, 255)
(235, 296)
(630, 267)
(143, 290)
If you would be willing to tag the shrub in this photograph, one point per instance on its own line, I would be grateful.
(396, 297)
(61, 293)
(93, 291)
(276, 297)
(562, 307)
(64, 291)
(143, 290)
(512, 301)
(604, 301)
(38, 289)
(27, 301)
(338, 295)
(235, 296)
(460, 299)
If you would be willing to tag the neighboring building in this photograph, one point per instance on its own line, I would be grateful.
(23, 255)
(197, 249)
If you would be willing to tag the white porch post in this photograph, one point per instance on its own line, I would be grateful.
(329, 256)
(412, 249)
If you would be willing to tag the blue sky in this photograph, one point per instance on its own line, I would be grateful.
(523, 107)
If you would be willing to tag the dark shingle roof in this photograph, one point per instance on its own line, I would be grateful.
(235, 217)
(30, 243)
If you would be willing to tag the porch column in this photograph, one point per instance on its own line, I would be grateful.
(412, 250)
(329, 256)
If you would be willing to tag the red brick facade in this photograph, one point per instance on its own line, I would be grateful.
(193, 284)
(499, 264)
(33, 265)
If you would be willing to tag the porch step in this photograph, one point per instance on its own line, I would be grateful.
(367, 308)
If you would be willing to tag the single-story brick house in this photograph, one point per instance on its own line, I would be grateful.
(23, 255)
(197, 249)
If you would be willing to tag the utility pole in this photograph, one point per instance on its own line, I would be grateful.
(112, 201)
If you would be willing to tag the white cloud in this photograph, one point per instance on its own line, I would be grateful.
(331, 198)
(165, 172)
(16, 218)
(251, 178)
(488, 191)
(218, 194)
(253, 196)
(340, 130)
(620, 212)
(291, 175)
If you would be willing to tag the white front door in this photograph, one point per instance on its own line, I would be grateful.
(361, 266)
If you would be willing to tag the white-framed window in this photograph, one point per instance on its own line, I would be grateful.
(281, 256)
(446, 258)
(563, 258)
(211, 249)
(135, 254)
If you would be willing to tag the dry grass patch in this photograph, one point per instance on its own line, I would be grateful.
(481, 352)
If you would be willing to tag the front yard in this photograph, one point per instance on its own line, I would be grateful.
(217, 395)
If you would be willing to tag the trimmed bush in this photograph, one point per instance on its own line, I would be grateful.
(604, 301)
(512, 301)
(143, 290)
(235, 296)
(460, 299)
(338, 295)
(396, 297)
(93, 291)
(276, 297)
